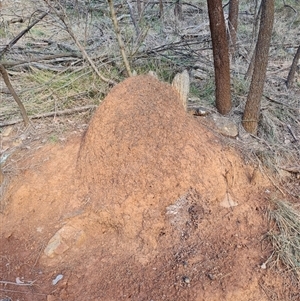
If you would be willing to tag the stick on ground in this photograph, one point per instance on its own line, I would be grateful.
(14, 94)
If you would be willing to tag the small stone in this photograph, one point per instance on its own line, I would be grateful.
(57, 279)
(7, 131)
(63, 239)
(153, 73)
(56, 246)
(198, 111)
(211, 276)
(263, 266)
(228, 202)
(186, 280)
(225, 126)
(17, 143)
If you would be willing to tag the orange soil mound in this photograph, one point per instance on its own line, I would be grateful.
(140, 210)
(142, 147)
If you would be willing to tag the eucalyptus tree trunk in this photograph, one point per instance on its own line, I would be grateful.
(161, 9)
(233, 24)
(221, 55)
(293, 68)
(178, 10)
(252, 109)
(139, 7)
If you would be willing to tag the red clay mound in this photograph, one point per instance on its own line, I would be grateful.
(143, 153)
(142, 145)
(155, 208)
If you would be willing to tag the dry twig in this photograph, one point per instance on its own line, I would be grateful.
(51, 114)
(21, 34)
(29, 283)
(63, 17)
(14, 94)
(118, 34)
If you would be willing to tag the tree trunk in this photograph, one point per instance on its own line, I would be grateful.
(251, 66)
(252, 109)
(221, 56)
(233, 24)
(178, 10)
(139, 7)
(1, 173)
(161, 9)
(293, 69)
(257, 13)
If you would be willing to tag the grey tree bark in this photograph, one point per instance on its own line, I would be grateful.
(293, 69)
(232, 25)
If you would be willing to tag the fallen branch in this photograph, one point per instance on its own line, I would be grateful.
(14, 94)
(21, 34)
(280, 103)
(293, 69)
(30, 283)
(68, 28)
(52, 114)
(292, 133)
(86, 56)
(133, 19)
(292, 169)
(38, 59)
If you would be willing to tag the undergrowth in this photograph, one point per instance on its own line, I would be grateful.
(285, 235)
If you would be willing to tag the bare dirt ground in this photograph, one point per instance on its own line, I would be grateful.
(147, 204)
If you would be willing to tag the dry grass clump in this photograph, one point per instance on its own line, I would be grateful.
(285, 238)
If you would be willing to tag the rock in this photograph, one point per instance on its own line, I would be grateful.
(198, 111)
(228, 202)
(263, 266)
(181, 83)
(56, 246)
(62, 240)
(7, 131)
(225, 126)
(57, 279)
(153, 73)
(194, 99)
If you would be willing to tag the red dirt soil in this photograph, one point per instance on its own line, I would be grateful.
(139, 204)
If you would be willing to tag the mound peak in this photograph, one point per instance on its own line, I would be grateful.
(141, 142)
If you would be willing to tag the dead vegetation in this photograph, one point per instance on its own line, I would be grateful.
(285, 236)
